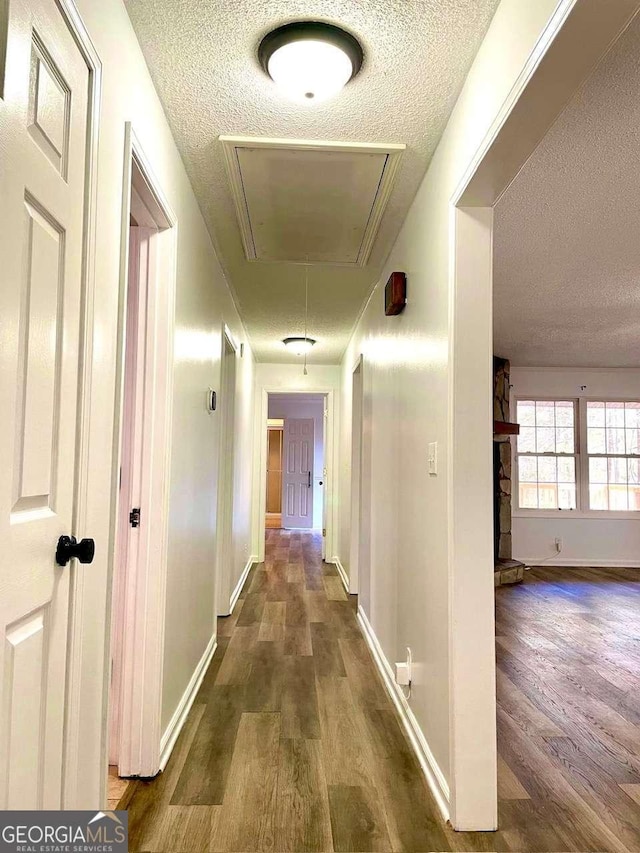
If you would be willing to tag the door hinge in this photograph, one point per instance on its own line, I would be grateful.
(324, 531)
(134, 517)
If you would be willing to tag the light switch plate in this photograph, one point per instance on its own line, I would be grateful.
(433, 458)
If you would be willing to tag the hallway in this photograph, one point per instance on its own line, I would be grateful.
(292, 744)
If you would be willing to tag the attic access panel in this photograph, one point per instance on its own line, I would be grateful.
(315, 202)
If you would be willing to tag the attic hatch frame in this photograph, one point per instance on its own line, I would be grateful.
(392, 151)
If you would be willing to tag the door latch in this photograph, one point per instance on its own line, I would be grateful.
(134, 517)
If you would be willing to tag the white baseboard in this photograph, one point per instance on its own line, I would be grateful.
(581, 563)
(435, 777)
(176, 723)
(343, 575)
(235, 595)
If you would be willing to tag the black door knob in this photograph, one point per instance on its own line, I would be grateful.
(69, 547)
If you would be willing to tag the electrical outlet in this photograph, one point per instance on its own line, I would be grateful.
(558, 544)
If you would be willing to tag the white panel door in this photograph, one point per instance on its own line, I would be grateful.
(297, 473)
(43, 138)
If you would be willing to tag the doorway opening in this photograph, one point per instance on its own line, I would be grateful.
(227, 403)
(359, 557)
(275, 438)
(296, 467)
(141, 475)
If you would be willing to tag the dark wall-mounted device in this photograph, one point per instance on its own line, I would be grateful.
(395, 294)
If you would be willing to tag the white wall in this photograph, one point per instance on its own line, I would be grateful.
(203, 301)
(407, 376)
(587, 540)
(301, 406)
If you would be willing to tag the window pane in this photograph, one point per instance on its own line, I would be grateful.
(545, 413)
(564, 413)
(595, 414)
(527, 440)
(613, 430)
(527, 469)
(547, 472)
(618, 471)
(564, 440)
(566, 469)
(632, 440)
(526, 412)
(547, 482)
(615, 441)
(618, 498)
(545, 440)
(598, 470)
(614, 414)
(632, 414)
(566, 496)
(528, 496)
(598, 497)
(595, 440)
(547, 496)
(634, 498)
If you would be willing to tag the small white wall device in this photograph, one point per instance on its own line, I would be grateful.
(403, 671)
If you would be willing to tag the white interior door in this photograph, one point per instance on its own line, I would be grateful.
(297, 473)
(43, 138)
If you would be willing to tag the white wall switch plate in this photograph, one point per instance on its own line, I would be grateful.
(432, 458)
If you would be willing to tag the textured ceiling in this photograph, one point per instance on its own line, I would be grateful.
(202, 57)
(567, 231)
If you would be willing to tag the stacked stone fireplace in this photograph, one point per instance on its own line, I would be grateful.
(507, 570)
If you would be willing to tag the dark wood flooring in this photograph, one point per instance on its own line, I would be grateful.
(568, 648)
(294, 745)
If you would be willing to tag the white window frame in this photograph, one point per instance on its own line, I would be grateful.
(582, 462)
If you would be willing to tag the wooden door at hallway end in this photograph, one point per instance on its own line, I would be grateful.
(297, 473)
(43, 155)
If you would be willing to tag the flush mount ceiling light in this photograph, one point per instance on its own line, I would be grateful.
(310, 60)
(299, 346)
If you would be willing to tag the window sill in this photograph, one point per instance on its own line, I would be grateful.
(602, 515)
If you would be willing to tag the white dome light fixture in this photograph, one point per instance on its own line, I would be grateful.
(299, 346)
(310, 61)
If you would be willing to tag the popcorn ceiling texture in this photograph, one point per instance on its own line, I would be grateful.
(203, 59)
(567, 231)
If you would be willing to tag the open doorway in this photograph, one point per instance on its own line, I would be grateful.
(227, 404)
(140, 503)
(295, 475)
(275, 437)
(567, 464)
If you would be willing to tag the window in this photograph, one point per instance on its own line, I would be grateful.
(555, 435)
(546, 454)
(613, 448)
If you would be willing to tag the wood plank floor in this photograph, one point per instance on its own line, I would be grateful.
(568, 649)
(293, 744)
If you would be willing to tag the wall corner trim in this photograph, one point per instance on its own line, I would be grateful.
(176, 723)
(344, 577)
(436, 780)
(235, 595)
